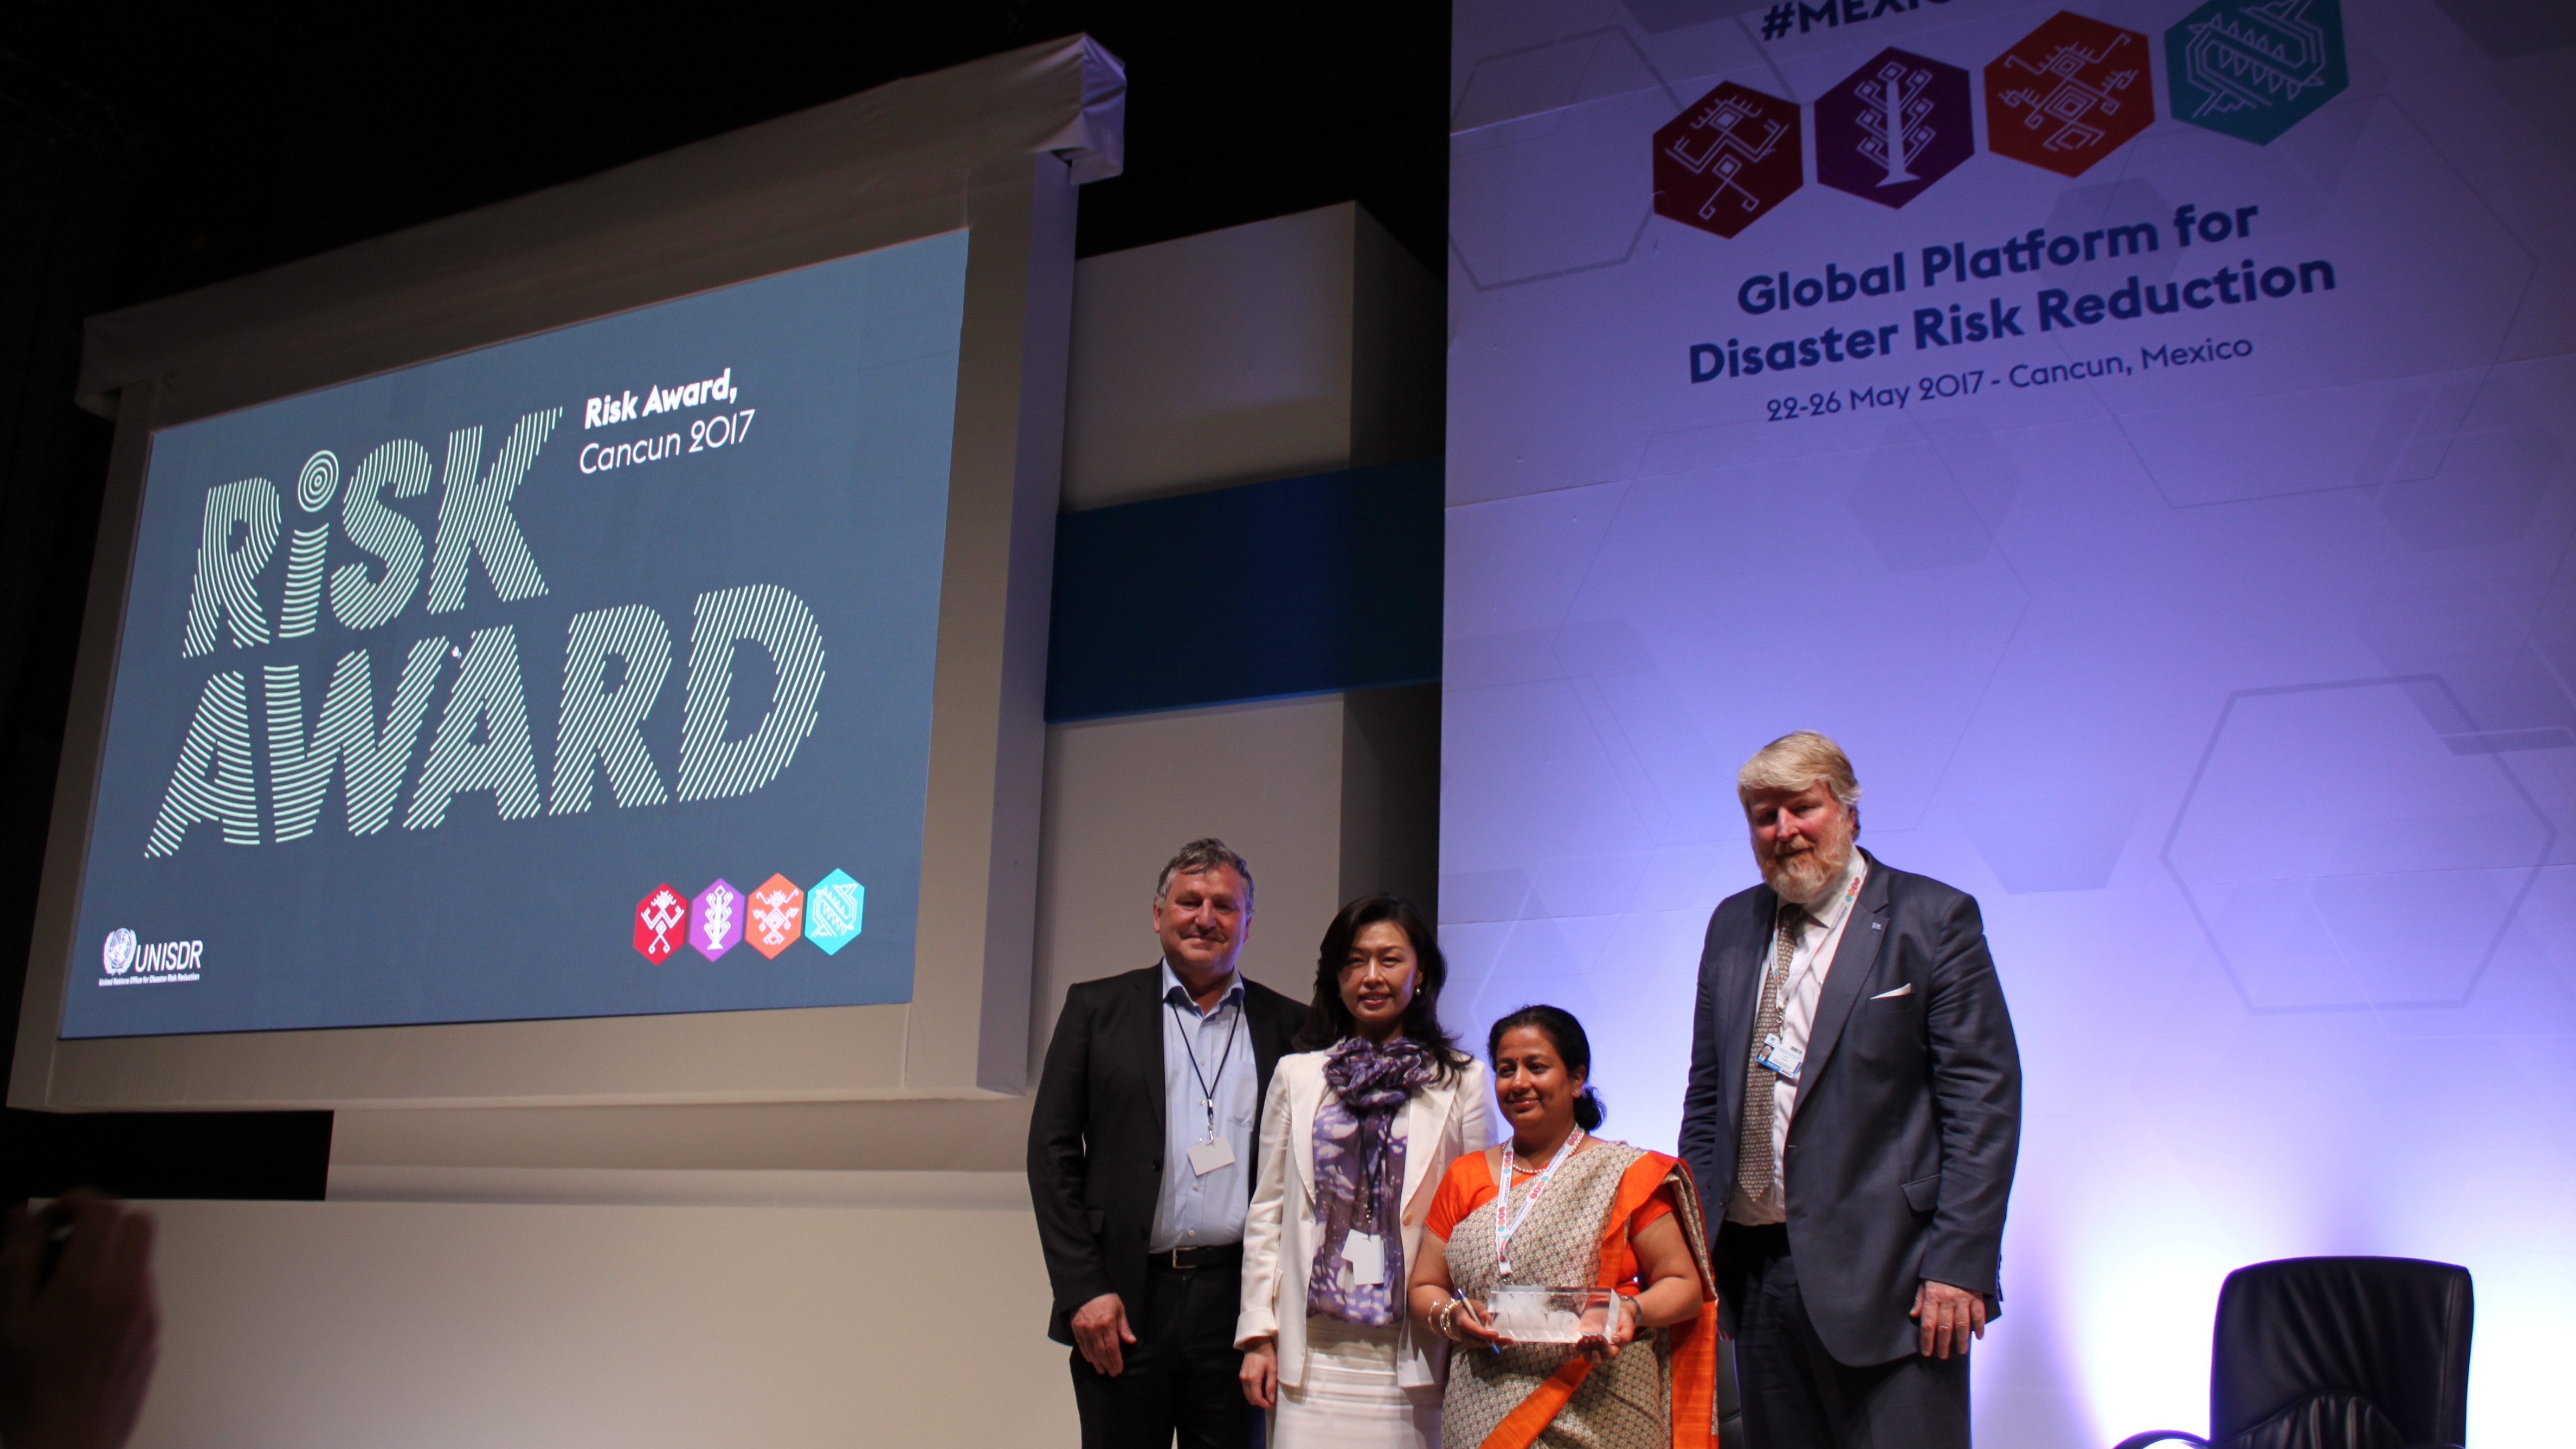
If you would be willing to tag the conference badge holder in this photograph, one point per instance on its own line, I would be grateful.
(1364, 1254)
(1781, 1057)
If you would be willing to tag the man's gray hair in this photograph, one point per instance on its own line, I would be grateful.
(1197, 858)
(1795, 761)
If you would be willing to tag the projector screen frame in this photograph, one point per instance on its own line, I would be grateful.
(879, 169)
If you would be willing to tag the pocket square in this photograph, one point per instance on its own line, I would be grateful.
(1905, 990)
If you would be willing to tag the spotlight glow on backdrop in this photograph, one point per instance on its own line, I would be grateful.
(2225, 649)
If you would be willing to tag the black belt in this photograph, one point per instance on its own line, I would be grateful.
(1190, 1260)
(1754, 1239)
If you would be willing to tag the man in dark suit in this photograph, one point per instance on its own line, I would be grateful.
(1853, 1115)
(1141, 1161)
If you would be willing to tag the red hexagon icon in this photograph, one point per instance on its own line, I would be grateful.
(2068, 94)
(661, 923)
(777, 917)
(1726, 161)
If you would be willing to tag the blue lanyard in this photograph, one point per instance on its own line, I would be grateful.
(1207, 1091)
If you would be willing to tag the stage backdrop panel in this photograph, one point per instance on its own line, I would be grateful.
(2140, 434)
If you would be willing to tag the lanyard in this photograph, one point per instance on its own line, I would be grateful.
(1504, 1223)
(1789, 979)
(1207, 1091)
(1373, 1172)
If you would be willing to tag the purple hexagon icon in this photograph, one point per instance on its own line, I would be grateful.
(1893, 127)
(715, 920)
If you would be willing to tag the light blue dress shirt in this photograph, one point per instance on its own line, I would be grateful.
(1204, 1210)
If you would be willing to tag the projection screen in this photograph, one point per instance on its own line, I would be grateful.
(588, 649)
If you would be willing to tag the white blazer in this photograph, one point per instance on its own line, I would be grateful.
(1444, 1121)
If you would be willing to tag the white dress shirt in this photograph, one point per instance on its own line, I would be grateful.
(1819, 934)
(1201, 1210)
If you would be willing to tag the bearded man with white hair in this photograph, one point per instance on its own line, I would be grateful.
(1853, 1115)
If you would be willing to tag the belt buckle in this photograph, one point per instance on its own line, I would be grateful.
(1177, 1265)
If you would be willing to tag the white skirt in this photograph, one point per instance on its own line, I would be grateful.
(1350, 1399)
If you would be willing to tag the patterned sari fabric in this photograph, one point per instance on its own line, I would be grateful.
(1659, 1393)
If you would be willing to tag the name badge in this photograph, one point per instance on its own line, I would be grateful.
(1780, 1057)
(1365, 1255)
(1207, 1157)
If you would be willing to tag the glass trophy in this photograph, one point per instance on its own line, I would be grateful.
(1526, 1313)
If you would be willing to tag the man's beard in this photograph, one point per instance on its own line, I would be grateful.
(1802, 877)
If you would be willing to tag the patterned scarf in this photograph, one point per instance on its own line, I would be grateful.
(1359, 1170)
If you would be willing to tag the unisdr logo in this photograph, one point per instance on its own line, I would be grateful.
(133, 962)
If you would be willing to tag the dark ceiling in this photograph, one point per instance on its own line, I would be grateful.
(271, 136)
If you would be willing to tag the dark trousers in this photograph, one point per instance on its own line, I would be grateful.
(1796, 1395)
(1182, 1374)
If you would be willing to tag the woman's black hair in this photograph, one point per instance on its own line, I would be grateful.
(1328, 1019)
(1572, 1048)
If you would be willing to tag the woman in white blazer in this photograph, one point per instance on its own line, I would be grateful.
(1327, 1346)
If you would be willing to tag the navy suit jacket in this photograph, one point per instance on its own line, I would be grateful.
(1900, 1157)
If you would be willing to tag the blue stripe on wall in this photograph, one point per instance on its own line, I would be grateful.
(1301, 586)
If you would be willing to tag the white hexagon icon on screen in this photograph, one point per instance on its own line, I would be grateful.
(119, 952)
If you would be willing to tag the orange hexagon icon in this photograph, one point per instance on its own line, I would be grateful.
(777, 916)
(2068, 94)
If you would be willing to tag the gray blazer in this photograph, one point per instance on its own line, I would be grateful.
(1900, 1157)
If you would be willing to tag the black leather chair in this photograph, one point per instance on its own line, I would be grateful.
(2337, 1353)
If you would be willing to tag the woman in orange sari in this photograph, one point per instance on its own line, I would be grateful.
(1557, 1207)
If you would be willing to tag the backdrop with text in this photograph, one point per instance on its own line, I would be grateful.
(2140, 434)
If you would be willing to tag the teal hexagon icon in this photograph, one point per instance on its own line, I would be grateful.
(834, 907)
(2252, 69)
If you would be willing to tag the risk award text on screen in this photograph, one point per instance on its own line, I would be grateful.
(719, 430)
(616, 661)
